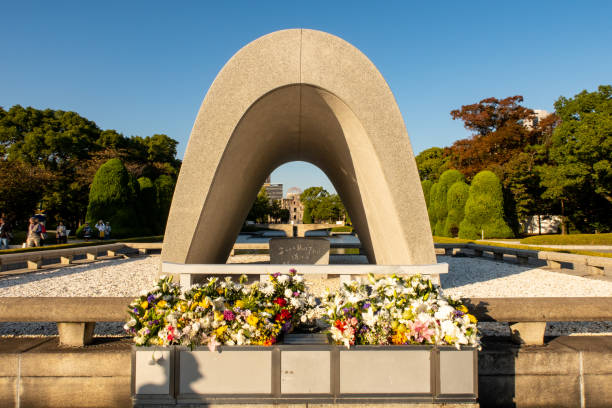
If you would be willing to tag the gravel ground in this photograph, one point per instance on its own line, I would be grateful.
(467, 277)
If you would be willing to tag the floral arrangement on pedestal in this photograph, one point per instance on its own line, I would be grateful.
(398, 310)
(221, 312)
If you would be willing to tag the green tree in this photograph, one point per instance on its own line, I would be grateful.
(432, 163)
(113, 197)
(149, 211)
(311, 199)
(581, 159)
(438, 199)
(426, 186)
(261, 207)
(164, 188)
(431, 209)
(484, 209)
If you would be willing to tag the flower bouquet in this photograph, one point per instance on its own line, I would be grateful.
(220, 312)
(396, 310)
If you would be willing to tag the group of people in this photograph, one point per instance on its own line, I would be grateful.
(37, 233)
(104, 230)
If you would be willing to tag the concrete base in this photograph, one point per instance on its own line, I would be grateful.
(92, 256)
(596, 270)
(529, 333)
(34, 264)
(553, 264)
(75, 334)
(66, 260)
(566, 372)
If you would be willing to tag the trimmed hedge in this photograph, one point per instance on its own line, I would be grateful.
(572, 239)
(455, 203)
(437, 199)
(484, 209)
(426, 186)
(113, 197)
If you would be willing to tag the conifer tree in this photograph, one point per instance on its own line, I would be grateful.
(438, 199)
(456, 198)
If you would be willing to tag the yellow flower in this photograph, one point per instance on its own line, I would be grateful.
(394, 324)
(218, 316)
(401, 328)
(162, 303)
(240, 304)
(252, 320)
(472, 318)
(449, 339)
(144, 304)
(462, 308)
(220, 291)
(220, 330)
(205, 303)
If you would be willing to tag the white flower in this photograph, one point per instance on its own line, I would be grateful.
(266, 288)
(283, 279)
(298, 278)
(288, 293)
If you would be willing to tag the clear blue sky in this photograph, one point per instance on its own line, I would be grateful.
(143, 67)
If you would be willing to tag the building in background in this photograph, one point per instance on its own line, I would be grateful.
(274, 191)
(539, 115)
(292, 203)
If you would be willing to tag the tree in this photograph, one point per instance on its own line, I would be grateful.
(164, 188)
(581, 156)
(113, 197)
(311, 199)
(456, 197)
(432, 163)
(260, 208)
(275, 210)
(484, 209)
(499, 134)
(426, 186)
(21, 189)
(438, 199)
(432, 210)
(149, 211)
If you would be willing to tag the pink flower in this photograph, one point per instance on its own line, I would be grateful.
(420, 331)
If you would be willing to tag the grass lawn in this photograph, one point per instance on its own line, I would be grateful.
(571, 239)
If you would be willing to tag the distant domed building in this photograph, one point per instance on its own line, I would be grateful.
(292, 203)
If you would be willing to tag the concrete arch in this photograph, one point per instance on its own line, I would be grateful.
(299, 95)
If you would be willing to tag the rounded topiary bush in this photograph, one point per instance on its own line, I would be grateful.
(484, 209)
(456, 197)
(431, 208)
(426, 186)
(438, 199)
(113, 198)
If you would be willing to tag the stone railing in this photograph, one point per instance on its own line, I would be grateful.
(76, 316)
(66, 256)
(596, 265)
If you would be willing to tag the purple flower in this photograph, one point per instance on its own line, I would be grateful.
(296, 294)
(366, 305)
(286, 326)
(228, 315)
(150, 298)
(155, 321)
(135, 310)
(276, 275)
(293, 270)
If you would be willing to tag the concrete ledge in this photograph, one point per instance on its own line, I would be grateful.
(559, 374)
(63, 309)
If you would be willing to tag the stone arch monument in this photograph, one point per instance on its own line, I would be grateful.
(299, 95)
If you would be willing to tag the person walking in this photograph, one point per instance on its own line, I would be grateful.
(60, 233)
(34, 232)
(107, 230)
(5, 234)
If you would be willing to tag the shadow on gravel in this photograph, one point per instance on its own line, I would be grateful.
(464, 271)
(25, 278)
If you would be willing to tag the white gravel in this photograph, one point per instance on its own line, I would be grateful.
(467, 277)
